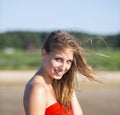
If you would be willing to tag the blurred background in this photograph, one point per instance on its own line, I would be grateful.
(25, 24)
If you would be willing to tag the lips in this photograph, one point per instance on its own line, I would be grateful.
(58, 72)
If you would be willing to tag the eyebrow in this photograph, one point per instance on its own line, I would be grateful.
(58, 55)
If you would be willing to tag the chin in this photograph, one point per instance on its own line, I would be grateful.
(57, 77)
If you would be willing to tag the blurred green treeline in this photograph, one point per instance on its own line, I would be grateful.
(23, 40)
(21, 50)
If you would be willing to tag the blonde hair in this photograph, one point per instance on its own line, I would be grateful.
(63, 88)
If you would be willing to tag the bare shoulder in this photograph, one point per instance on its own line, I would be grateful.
(35, 97)
(35, 86)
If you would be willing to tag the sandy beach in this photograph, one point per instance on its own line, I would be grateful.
(95, 98)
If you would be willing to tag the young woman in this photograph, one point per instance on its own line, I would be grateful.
(51, 89)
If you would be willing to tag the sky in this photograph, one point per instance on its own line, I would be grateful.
(92, 16)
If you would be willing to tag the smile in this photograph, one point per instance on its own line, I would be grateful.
(58, 72)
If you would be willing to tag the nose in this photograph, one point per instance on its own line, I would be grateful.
(63, 66)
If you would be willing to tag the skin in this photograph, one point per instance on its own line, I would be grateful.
(39, 93)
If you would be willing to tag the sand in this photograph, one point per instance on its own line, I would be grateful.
(95, 98)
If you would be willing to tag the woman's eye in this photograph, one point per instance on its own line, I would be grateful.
(58, 59)
(69, 61)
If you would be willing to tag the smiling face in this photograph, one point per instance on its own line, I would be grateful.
(57, 63)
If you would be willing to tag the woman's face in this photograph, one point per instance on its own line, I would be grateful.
(57, 63)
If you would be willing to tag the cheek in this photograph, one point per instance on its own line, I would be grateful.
(54, 63)
(50, 64)
(47, 63)
(68, 67)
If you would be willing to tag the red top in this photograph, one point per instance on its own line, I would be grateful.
(57, 109)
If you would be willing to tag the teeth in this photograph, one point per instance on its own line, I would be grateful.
(57, 71)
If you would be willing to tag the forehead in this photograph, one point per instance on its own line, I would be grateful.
(64, 53)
